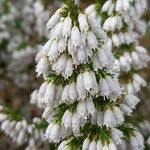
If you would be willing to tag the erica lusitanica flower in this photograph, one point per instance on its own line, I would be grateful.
(82, 63)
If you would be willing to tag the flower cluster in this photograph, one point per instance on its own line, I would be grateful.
(73, 40)
(19, 130)
(81, 89)
(20, 22)
(137, 59)
(86, 84)
(123, 30)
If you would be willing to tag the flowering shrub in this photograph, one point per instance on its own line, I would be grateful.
(90, 66)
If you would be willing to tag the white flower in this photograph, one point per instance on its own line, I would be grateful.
(41, 54)
(65, 93)
(88, 51)
(67, 119)
(127, 57)
(75, 36)
(107, 5)
(131, 100)
(99, 145)
(119, 5)
(136, 86)
(42, 90)
(112, 146)
(126, 5)
(114, 87)
(130, 88)
(107, 24)
(96, 64)
(103, 87)
(95, 89)
(128, 38)
(134, 143)
(114, 23)
(68, 68)
(121, 37)
(125, 109)
(124, 64)
(88, 82)
(54, 19)
(117, 136)
(57, 32)
(21, 136)
(139, 139)
(48, 131)
(90, 9)
(64, 132)
(110, 57)
(80, 87)
(46, 113)
(42, 67)
(72, 91)
(55, 133)
(83, 40)
(32, 142)
(67, 25)
(92, 40)
(49, 94)
(118, 115)
(96, 28)
(116, 40)
(117, 66)
(93, 145)
(109, 118)
(100, 118)
(138, 79)
(141, 49)
(18, 126)
(71, 48)
(61, 45)
(59, 91)
(105, 147)
(53, 52)
(76, 125)
(90, 107)
(86, 144)
(60, 64)
(102, 58)
(83, 24)
(81, 56)
(5, 125)
(34, 97)
(111, 9)
(62, 145)
(81, 109)
(136, 60)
